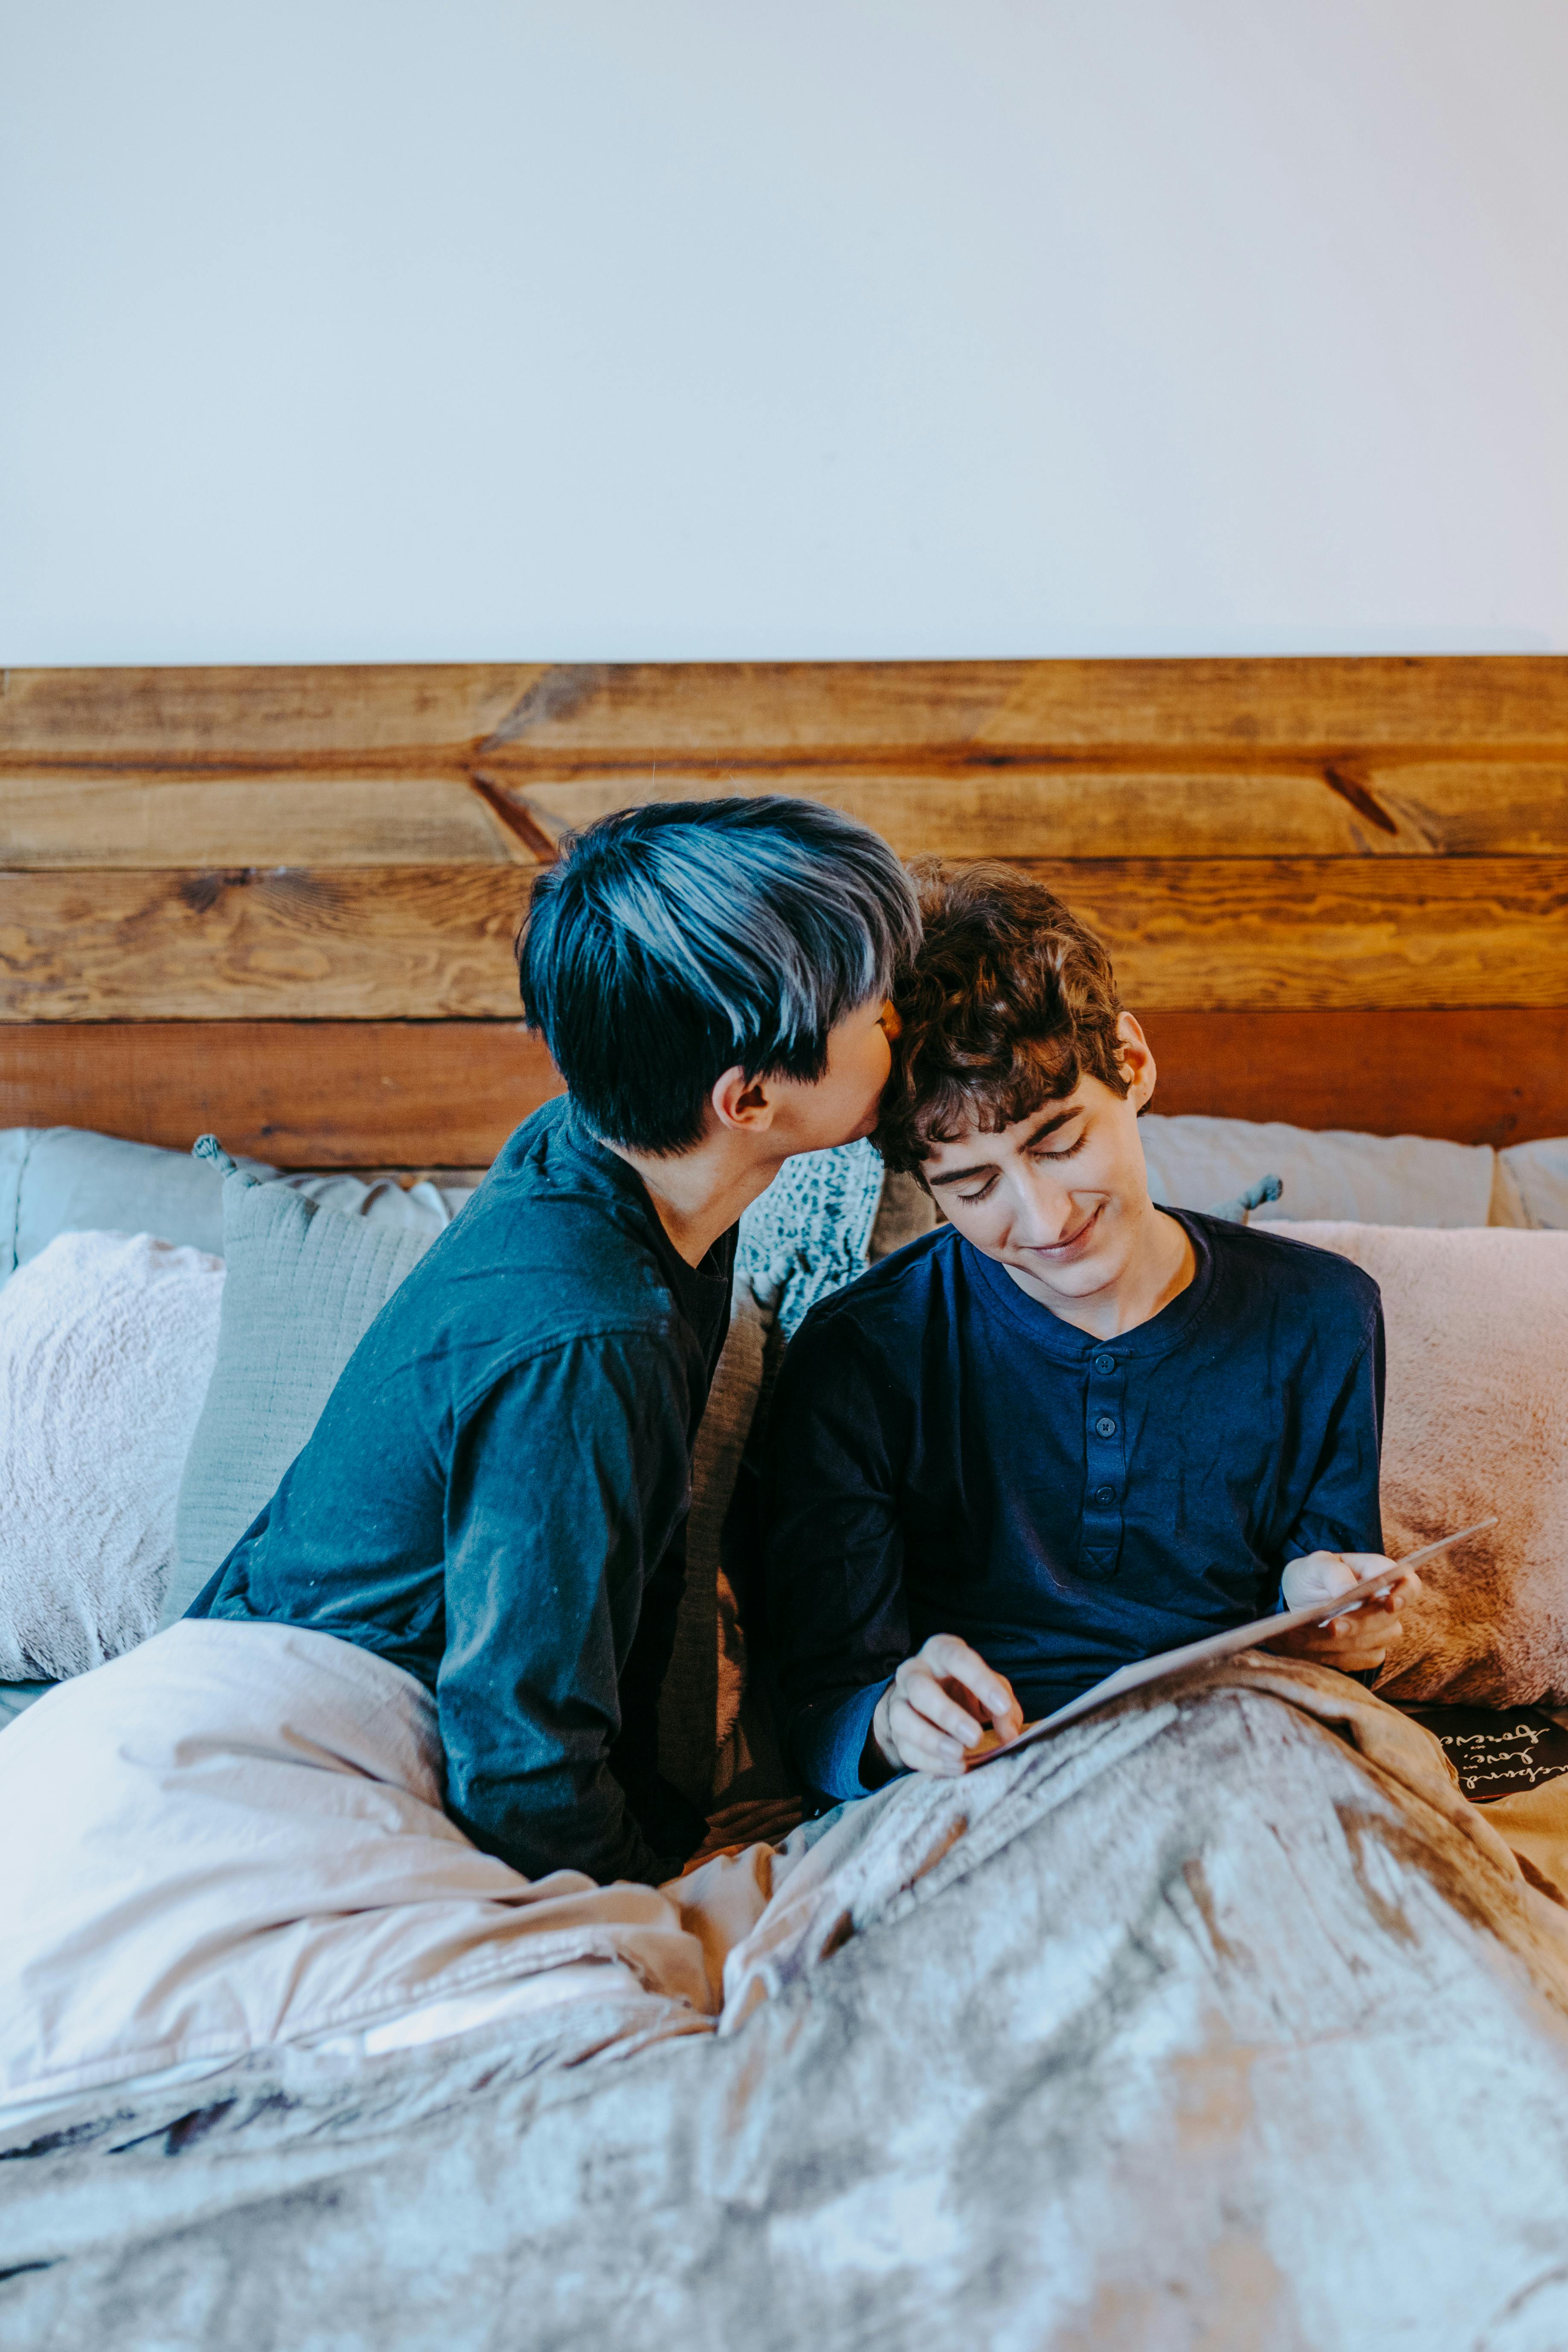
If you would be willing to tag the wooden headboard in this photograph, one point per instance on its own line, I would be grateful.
(279, 903)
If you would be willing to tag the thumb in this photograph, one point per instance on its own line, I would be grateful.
(1321, 1576)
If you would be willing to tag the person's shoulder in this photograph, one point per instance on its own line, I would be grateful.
(546, 1250)
(1282, 1263)
(891, 1298)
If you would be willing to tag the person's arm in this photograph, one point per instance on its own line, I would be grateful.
(833, 1553)
(566, 1482)
(1337, 1540)
(857, 1707)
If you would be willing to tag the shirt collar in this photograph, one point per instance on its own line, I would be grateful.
(1158, 1337)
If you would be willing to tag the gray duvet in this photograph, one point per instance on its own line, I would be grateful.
(1219, 2019)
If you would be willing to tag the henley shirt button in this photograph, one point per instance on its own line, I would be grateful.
(1105, 1493)
(1105, 1363)
(1105, 1426)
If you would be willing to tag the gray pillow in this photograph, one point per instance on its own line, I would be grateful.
(304, 1284)
(57, 1180)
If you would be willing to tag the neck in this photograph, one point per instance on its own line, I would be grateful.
(697, 1194)
(1161, 1266)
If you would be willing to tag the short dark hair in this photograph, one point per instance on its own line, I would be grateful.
(675, 940)
(1010, 1003)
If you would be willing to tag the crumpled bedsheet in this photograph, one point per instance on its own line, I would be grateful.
(1217, 2020)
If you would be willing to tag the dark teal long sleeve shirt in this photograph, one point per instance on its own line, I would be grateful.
(495, 1498)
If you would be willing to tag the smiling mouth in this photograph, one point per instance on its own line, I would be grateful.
(1068, 1247)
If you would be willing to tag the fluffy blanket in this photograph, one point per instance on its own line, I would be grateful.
(1217, 2020)
(1478, 1375)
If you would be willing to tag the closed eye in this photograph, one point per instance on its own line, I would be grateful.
(1069, 1151)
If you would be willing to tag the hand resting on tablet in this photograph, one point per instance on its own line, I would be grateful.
(1358, 1641)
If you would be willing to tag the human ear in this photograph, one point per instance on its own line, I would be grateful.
(741, 1102)
(1135, 1061)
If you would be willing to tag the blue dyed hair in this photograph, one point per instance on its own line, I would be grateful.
(679, 939)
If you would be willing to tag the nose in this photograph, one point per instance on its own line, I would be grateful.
(1043, 1212)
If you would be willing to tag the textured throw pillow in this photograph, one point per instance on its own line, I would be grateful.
(810, 1233)
(305, 1284)
(107, 1341)
(1478, 1375)
(56, 1179)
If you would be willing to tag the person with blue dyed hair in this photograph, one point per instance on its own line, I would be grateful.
(494, 1498)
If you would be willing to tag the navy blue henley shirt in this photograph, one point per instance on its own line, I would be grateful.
(944, 1454)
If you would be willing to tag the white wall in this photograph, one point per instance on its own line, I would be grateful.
(374, 330)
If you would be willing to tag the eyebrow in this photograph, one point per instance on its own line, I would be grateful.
(986, 1167)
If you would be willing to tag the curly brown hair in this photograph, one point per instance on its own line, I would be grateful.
(1011, 1003)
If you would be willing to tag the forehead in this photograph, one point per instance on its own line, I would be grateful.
(976, 1143)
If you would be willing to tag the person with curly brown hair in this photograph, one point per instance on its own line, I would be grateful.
(1067, 1428)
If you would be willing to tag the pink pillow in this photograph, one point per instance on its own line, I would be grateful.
(1476, 1422)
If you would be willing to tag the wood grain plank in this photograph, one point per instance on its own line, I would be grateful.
(563, 717)
(388, 943)
(426, 942)
(1259, 933)
(98, 822)
(218, 717)
(101, 821)
(1066, 759)
(1487, 1077)
(719, 710)
(1498, 808)
(302, 1094)
(378, 1094)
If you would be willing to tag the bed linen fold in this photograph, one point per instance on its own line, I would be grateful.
(233, 1837)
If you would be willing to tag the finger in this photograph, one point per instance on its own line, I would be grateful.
(1007, 1720)
(1354, 1658)
(1330, 1573)
(1369, 1632)
(953, 1659)
(920, 1691)
(1010, 1722)
(1365, 1564)
(920, 1745)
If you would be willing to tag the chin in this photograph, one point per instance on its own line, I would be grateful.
(1076, 1278)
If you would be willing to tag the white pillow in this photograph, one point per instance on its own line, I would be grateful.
(1369, 1179)
(106, 1343)
(1537, 1173)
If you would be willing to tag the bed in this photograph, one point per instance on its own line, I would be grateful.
(1222, 2018)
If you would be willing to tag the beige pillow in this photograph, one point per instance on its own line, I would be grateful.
(1476, 1422)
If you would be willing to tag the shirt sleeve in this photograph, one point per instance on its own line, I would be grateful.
(838, 1618)
(1341, 1512)
(566, 1482)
